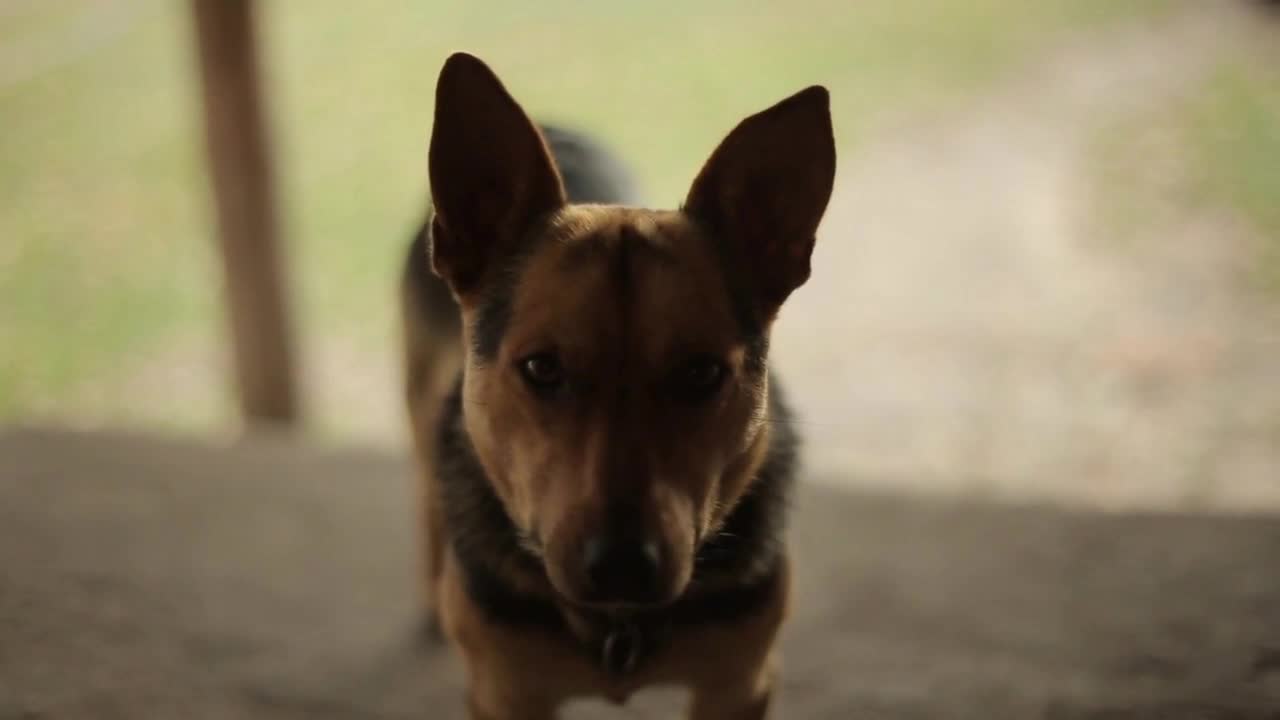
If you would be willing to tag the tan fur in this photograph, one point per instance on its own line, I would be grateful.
(623, 296)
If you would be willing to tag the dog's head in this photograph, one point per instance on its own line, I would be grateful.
(615, 387)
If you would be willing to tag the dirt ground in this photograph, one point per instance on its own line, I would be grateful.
(162, 579)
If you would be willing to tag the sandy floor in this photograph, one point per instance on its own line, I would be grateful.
(161, 579)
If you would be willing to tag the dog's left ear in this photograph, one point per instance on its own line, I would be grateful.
(764, 190)
(491, 174)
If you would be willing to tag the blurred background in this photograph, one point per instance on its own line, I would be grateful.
(1050, 268)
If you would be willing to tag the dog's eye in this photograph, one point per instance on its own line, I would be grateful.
(698, 378)
(543, 371)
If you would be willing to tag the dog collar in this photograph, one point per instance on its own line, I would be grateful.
(617, 643)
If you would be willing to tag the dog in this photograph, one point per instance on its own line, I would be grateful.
(605, 458)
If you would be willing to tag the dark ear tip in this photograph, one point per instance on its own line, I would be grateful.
(461, 65)
(816, 94)
(815, 98)
(462, 59)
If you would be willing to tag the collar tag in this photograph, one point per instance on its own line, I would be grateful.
(621, 649)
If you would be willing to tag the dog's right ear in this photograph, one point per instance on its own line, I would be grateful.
(491, 174)
(765, 189)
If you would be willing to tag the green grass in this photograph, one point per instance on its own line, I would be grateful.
(105, 226)
(1233, 130)
(1215, 149)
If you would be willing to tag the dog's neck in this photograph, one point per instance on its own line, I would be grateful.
(736, 569)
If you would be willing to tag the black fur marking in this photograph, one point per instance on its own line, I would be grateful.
(623, 283)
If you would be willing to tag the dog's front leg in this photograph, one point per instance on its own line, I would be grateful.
(505, 679)
(746, 700)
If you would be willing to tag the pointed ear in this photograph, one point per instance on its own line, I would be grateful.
(491, 174)
(764, 190)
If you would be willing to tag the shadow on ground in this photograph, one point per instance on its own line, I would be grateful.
(147, 578)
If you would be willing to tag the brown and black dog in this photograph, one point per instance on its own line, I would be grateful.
(605, 459)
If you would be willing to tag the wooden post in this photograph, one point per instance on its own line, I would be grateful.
(240, 165)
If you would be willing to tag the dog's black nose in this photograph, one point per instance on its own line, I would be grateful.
(622, 570)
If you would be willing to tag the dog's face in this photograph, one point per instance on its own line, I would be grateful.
(615, 387)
